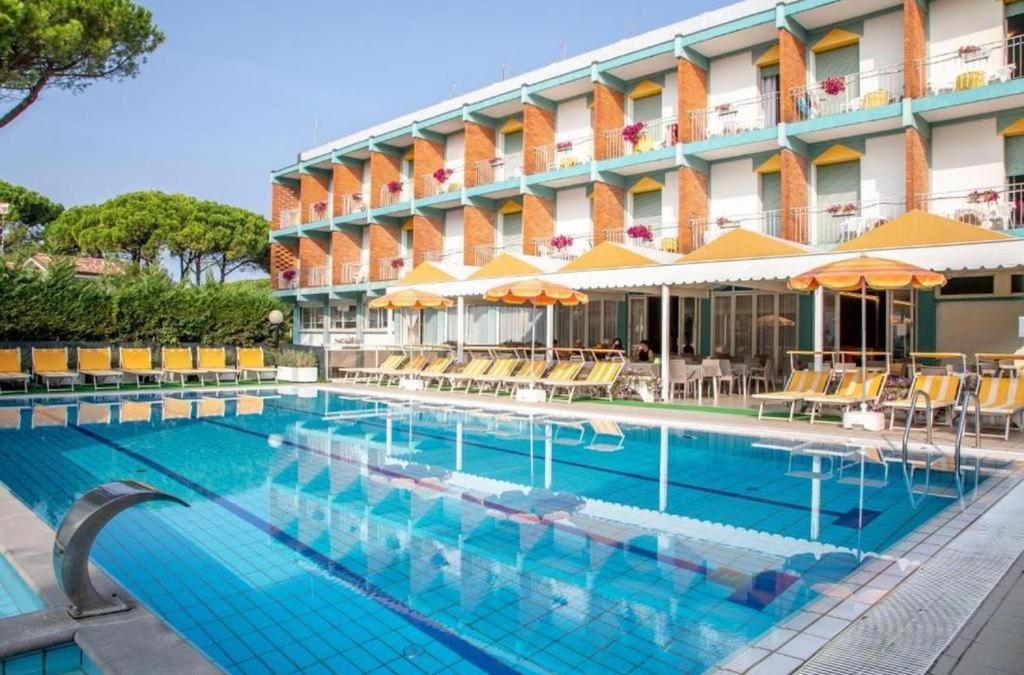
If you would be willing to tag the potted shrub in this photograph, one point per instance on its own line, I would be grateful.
(394, 187)
(442, 175)
(297, 366)
(640, 234)
(631, 133)
(833, 86)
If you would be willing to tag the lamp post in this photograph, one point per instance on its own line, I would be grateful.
(276, 318)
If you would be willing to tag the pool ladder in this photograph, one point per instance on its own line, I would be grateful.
(961, 428)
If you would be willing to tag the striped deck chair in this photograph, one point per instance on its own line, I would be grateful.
(10, 418)
(137, 362)
(476, 366)
(95, 363)
(499, 370)
(369, 373)
(173, 408)
(436, 368)
(10, 369)
(135, 411)
(603, 375)
(943, 392)
(414, 367)
(801, 384)
(849, 392)
(50, 366)
(604, 431)
(249, 405)
(251, 361)
(530, 373)
(177, 362)
(44, 415)
(208, 406)
(1002, 397)
(214, 362)
(94, 413)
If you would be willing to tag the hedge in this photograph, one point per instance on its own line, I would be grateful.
(138, 307)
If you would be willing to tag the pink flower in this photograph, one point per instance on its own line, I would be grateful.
(641, 232)
(631, 132)
(834, 85)
(397, 263)
(723, 221)
(561, 241)
(563, 146)
(394, 186)
(442, 175)
(289, 275)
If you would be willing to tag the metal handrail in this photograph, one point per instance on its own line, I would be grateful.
(910, 419)
(961, 427)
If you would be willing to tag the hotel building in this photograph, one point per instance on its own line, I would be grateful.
(679, 177)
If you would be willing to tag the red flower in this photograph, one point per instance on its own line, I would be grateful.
(834, 85)
(397, 263)
(631, 132)
(561, 241)
(394, 187)
(442, 175)
(640, 232)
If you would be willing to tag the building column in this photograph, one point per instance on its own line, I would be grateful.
(326, 331)
(794, 196)
(609, 211)
(538, 221)
(792, 72)
(666, 348)
(819, 326)
(918, 172)
(915, 45)
(360, 319)
(693, 204)
(460, 327)
(296, 320)
(609, 116)
(693, 96)
(549, 332)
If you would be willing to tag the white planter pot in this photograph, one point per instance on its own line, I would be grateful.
(411, 384)
(645, 393)
(291, 374)
(531, 395)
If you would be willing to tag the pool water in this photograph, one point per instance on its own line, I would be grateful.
(328, 533)
(15, 595)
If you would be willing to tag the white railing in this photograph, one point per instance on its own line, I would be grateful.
(485, 253)
(736, 117)
(828, 224)
(563, 247)
(317, 211)
(355, 273)
(396, 192)
(705, 230)
(654, 134)
(971, 66)
(288, 218)
(564, 154)
(316, 277)
(353, 203)
(650, 233)
(453, 183)
(392, 269)
(857, 91)
(506, 167)
(997, 208)
(288, 279)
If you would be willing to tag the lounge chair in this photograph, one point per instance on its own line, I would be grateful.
(10, 417)
(801, 384)
(606, 429)
(251, 361)
(943, 392)
(209, 406)
(249, 405)
(95, 363)
(603, 375)
(530, 373)
(213, 361)
(50, 366)
(137, 362)
(135, 411)
(177, 363)
(1002, 397)
(849, 392)
(477, 366)
(370, 372)
(44, 415)
(10, 370)
(93, 413)
(173, 408)
(414, 367)
(499, 370)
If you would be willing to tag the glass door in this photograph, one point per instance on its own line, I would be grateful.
(637, 320)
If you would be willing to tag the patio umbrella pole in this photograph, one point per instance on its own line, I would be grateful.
(863, 345)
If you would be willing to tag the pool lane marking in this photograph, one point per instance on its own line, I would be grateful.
(568, 462)
(357, 583)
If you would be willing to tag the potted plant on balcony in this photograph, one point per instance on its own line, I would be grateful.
(833, 86)
(982, 196)
(443, 174)
(497, 161)
(294, 365)
(969, 53)
(289, 276)
(319, 209)
(397, 263)
(841, 209)
(561, 242)
(640, 234)
(632, 133)
(724, 222)
(563, 146)
(394, 187)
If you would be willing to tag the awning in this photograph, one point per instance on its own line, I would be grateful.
(432, 272)
(920, 228)
(742, 244)
(515, 265)
(609, 255)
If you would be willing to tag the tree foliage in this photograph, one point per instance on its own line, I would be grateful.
(28, 213)
(140, 307)
(69, 44)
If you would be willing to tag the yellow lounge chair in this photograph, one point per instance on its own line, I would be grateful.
(368, 373)
(137, 362)
(49, 416)
(801, 384)
(50, 365)
(94, 413)
(849, 392)
(177, 362)
(414, 367)
(10, 418)
(249, 405)
(95, 363)
(606, 429)
(214, 361)
(436, 367)
(499, 370)
(1002, 397)
(603, 375)
(10, 369)
(211, 407)
(943, 392)
(251, 361)
(477, 366)
(175, 408)
(530, 373)
(135, 411)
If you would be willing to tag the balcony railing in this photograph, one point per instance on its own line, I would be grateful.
(564, 154)
(495, 170)
(655, 134)
(288, 218)
(485, 253)
(288, 279)
(650, 233)
(393, 269)
(726, 119)
(355, 273)
(563, 247)
(858, 91)
(997, 208)
(829, 224)
(316, 277)
(456, 179)
(971, 66)
(705, 230)
(353, 203)
(396, 192)
(317, 211)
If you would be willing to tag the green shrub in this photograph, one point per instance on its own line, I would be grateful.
(297, 358)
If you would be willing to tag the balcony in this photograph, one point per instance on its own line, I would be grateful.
(651, 233)
(971, 66)
(288, 218)
(563, 154)
(641, 137)
(354, 273)
(859, 91)
(996, 208)
(393, 269)
(353, 203)
(453, 180)
(563, 246)
(396, 192)
(830, 224)
(727, 119)
(316, 277)
(287, 279)
(317, 211)
(498, 169)
(485, 253)
(705, 230)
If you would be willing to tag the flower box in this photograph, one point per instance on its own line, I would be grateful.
(563, 146)
(842, 209)
(297, 374)
(983, 197)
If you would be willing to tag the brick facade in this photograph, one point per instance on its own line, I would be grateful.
(480, 147)
(609, 114)
(609, 210)
(313, 188)
(348, 180)
(693, 203)
(792, 71)
(383, 246)
(479, 231)
(538, 131)
(384, 168)
(538, 221)
(794, 194)
(693, 95)
(312, 253)
(427, 237)
(918, 174)
(429, 158)
(915, 47)
(346, 246)
(282, 257)
(283, 197)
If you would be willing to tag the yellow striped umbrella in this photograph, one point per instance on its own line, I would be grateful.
(537, 292)
(410, 298)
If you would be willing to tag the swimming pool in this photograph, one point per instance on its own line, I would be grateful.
(329, 533)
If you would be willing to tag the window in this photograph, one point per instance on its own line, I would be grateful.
(311, 318)
(647, 109)
(969, 286)
(647, 208)
(1017, 283)
(343, 317)
(376, 319)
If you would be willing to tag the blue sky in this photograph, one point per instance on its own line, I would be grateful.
(236, 87)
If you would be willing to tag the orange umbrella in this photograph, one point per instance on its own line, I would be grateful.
(537, 292)
(861, 273)
(410, 298)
